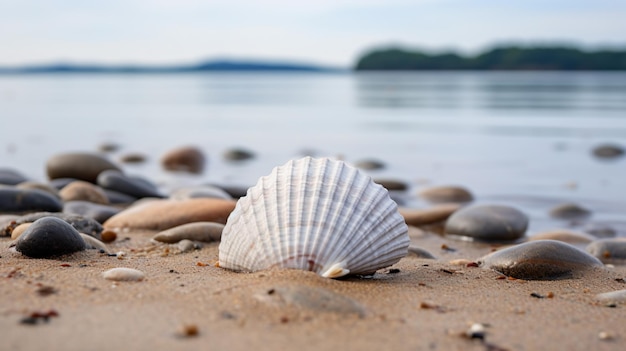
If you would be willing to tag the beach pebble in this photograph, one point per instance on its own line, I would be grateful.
(49, 237)
(199, 191)
(392, 184)
(415, 251)
(199, 231)
(238, 154)
(108, 147)
(60, 183)
(608, 151)
(165, 214)
(80, 223)
(569, 211)
(11, 177)
(437, 213)
(40, 186)
(312, 298)
(14, 200)
(540, 260)
(19, 230)
(186, 245)
(618, 297)
(487, 223)
(82, 166)
(133, 158)
(235, 191)
(123, 274)
(108, 236)
(446, 194)
(83, 191)
(600, 230)
(117, 198)
(369, 164)
(93, 243)
(564, 235)
(609, 250)
(185, 159)
(133, 186)
(98, 212)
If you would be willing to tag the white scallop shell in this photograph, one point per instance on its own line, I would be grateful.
(319, 215)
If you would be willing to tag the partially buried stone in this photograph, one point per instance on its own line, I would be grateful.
(14, 200)
(487, 223)
(83, 191)
(11, 177)
(123, 274)
(93, 243)
(98, 212)
(165, 214)
(199, 231)
(83, 166)
(618, 296)
(570, 211)
(445, 194)
(186, 159)
(49, 237)
(133, 186)
(540, 260)
(609, 250)
(418, 252)
(312, 298)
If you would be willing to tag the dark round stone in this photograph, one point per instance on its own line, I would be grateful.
(570, 211)
(82, 166)
(238, 154)
(88, 209)
(609, 250)
(392, 185)
(11, 177)
(15, 200)
(49, 237)
(115, 197)
(608, 151)
(540, 260)
(133, 186)
(488, 223)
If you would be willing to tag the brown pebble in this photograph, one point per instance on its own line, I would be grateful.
(189, 330)
(108, 236)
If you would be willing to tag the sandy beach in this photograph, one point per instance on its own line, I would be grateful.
(186, 302)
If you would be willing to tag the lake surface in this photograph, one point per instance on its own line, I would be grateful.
(523, 139)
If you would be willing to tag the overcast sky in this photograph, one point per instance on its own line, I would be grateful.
(333, 32)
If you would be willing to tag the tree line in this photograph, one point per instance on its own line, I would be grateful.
(499, 58)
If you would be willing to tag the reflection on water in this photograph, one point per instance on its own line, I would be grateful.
(493, 90)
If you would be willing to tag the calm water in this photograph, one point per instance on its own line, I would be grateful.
(517, 138)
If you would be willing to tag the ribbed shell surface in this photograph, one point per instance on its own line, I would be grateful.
(319, 215)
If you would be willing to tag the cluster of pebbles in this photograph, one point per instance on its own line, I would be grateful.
(89, 201)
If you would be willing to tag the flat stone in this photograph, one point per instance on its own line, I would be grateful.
(83, 191)
(60, 183)
(165, 214)
(570, 211)
(108, 147)
(235, 191)
(123, 274)
(98, 212)
(418, 252)
(15, 200)
(185, 159)
(540, 260)
(115, 197)
(40, 186)
(370, 164)
(11, 177)
(618, 296)
(133, 158)
(609, 250)
(82, 166)
(133, 186)
(199, 231)
(487, 223)
(564, 235)
(446, 194)
(93, 243)
(49, 237)
(19, 230)
(435, 214)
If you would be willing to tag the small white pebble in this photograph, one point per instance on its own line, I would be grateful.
(123, 274)
(120, 255)
(605, 336)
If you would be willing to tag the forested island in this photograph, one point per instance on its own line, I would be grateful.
(499, 58)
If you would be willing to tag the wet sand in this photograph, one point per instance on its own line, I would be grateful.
(425, 305)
